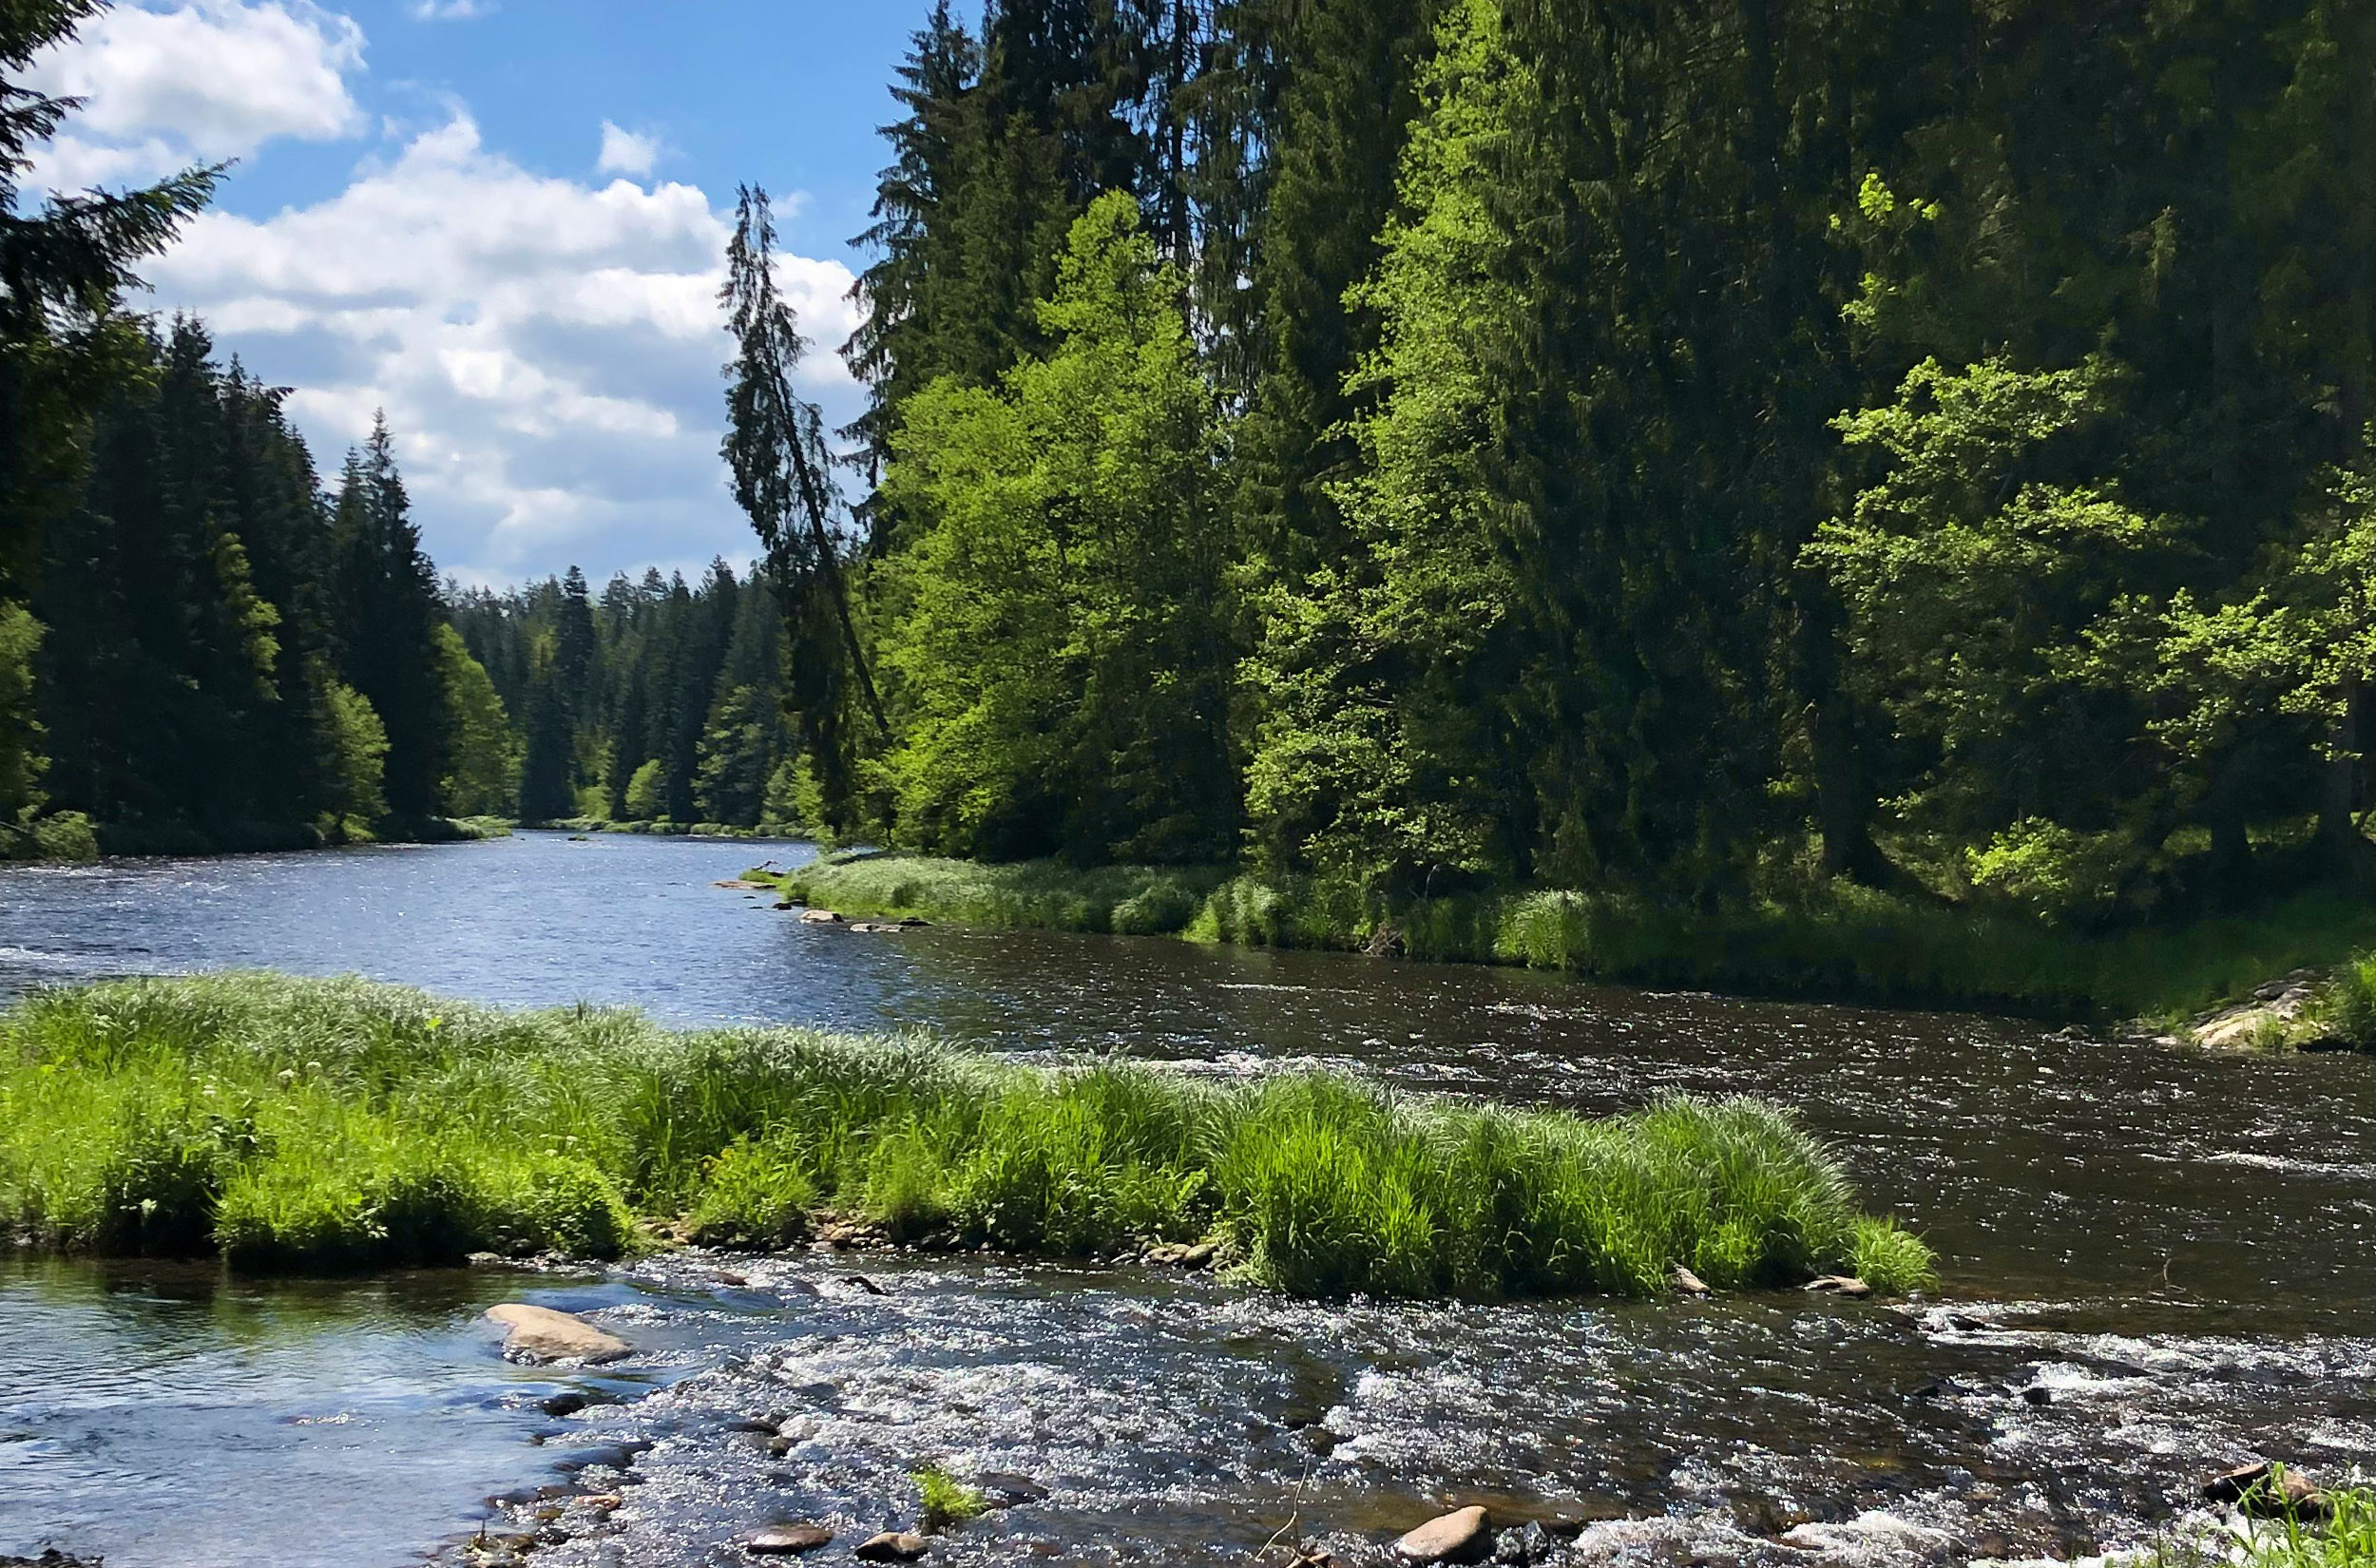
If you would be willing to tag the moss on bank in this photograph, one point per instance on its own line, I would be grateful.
(298, 1123)
(1846, 943)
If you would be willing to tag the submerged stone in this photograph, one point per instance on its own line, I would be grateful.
(1465, 1535)
(893, 1546)
(1839, 1285)
(539, 1334)
(789, 1540)
(1005, 1489)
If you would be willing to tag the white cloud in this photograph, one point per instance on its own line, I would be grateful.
(200, 81)
(548, 351)
(450, 11)
(623, 152)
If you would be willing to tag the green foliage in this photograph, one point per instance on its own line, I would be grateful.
(754, 1195)
(1838, 940)
(647, 799)
(1889, 1258)
(358, 753)
(21, 761)
(337, 1124)
(1053, 634)
(945, 1500)
(484, 755)
(1042, 895)
(2343, 1538)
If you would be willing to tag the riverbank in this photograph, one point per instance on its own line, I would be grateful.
(71, 837)
(668, 830)
(308, 1124)
(1846, 944)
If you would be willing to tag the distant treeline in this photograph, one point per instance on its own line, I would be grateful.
(235, 656)
(201, 647)
(1700, 449)
(655, 701)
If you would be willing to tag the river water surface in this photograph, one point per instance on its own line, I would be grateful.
(2159, 1264)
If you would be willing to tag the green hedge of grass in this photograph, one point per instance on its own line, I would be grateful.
(300, 1123)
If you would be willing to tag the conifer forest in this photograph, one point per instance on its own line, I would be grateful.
(1702, 451)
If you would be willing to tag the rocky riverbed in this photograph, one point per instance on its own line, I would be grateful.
(1117, 1416)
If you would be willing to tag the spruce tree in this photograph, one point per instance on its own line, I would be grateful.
(388, 613)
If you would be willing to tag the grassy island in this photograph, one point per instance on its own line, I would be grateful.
(296, 1123)
(1842, 942)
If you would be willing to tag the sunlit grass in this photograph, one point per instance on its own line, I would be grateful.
(1838, 940)
(945, 1500)
(1028, 895)
(297, 1123)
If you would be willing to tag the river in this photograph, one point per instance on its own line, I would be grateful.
(2158, 1264)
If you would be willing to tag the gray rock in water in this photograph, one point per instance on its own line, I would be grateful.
(539, 1334)
(1689, 1282)
(1005, 1489)
(1524, 1548)
(789, 1540)
(819, 917)
(1465, 1535)
(1839, 1285)
(893, 1546)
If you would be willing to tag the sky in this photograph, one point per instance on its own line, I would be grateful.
(503, 221)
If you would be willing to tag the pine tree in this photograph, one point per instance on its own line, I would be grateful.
(63, 271)
(388, 613)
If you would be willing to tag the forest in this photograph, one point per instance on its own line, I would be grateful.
(1703, 450)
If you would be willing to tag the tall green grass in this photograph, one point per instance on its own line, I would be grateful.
(1836, 941)
(305, 1124)
(1026, 895)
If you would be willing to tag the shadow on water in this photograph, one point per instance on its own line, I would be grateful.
(2157, 1265)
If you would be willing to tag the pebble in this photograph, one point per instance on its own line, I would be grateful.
(893, 1546)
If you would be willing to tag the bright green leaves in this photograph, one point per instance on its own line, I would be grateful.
(1052, 619)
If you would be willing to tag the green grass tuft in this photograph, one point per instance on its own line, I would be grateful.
(335, 1124)
(946, 1501)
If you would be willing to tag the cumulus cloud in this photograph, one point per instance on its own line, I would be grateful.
(624, 152)
(197, 81)
(548, 351)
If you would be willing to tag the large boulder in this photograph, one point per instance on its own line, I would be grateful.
(1465, 1535)
(539, 1334)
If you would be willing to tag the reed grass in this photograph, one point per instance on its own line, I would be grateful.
(1837, 941)
(297, 1125)
(1026, 895)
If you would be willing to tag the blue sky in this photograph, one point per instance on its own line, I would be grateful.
(500, 220)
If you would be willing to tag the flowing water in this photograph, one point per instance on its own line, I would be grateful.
(2159, 1264)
